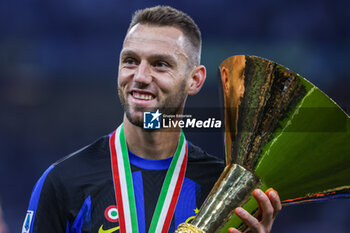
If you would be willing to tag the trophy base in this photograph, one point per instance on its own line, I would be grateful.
(188, 228)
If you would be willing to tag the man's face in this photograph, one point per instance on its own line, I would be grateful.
(237, 81)
(153, 71)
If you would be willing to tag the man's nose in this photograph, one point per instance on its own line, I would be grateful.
(143, 73)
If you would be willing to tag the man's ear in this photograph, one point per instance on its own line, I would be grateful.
(197, 79)
(224, 78)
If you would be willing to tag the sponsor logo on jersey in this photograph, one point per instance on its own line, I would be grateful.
(111, 230)
(27, 221)
(111, 213)
(151, 120)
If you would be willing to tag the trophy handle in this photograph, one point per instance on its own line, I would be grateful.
(233, 189)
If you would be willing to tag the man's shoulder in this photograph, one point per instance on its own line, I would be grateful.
(74, 180)
(198, 155)
(94, 150)
(82, 163)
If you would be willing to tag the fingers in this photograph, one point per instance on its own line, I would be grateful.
(265, 207)
(252, 223)
(269, 206)
(233, 230)
(275, 201)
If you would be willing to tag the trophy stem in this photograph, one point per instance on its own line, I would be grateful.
(233, 189)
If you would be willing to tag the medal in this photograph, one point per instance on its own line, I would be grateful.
(124, 189)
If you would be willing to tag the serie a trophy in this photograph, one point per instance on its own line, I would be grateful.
(281, 132)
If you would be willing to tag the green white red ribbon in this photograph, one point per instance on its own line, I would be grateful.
(124, 189)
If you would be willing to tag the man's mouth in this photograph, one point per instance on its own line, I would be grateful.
(142, 95)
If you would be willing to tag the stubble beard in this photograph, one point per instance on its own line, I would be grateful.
(172, 105)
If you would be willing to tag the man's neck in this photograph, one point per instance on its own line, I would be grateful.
(152, 144)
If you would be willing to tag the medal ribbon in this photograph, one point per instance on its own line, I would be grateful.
(124, 189)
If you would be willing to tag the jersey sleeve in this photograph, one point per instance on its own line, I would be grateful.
(45, 212)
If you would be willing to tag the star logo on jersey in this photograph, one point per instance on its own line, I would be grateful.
(111, 230)
(192, 217)
(151, 120)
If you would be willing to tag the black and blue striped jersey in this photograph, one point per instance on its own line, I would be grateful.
(76, 194)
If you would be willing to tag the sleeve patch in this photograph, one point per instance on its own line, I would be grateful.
(27, 221)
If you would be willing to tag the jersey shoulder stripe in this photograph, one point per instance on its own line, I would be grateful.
(33, 203)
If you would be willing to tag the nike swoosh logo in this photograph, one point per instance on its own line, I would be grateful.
(107, 231)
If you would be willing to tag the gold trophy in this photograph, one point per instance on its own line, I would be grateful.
(281, 132)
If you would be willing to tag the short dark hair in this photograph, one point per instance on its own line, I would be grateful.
(168, 16)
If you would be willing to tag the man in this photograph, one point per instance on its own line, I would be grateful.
(232, 79)
(137, 180)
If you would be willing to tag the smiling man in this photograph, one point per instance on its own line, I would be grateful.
(138, 180)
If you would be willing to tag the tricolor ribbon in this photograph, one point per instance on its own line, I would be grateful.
(124, 189)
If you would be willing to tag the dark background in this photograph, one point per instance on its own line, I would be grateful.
(58, 79)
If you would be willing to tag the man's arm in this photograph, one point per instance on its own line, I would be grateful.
(45, 212)
(269, 206)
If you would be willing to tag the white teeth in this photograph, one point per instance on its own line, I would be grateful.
(142, 96)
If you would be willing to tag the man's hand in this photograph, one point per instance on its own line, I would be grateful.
(269, 206)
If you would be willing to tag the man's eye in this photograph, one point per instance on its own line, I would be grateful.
(161, 64)
(129, 61)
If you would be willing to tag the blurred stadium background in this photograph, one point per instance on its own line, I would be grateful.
(59, 71)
